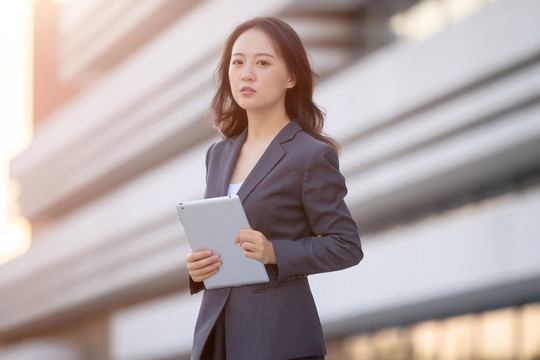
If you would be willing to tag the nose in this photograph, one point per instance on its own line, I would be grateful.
(247, 74)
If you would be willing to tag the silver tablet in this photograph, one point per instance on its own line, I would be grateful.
(214, 224)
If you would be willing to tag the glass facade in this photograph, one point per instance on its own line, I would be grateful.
(503, 334)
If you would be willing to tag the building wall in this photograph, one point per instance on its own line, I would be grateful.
(440, 141)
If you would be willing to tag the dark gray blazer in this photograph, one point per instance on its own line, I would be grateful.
(294, 196)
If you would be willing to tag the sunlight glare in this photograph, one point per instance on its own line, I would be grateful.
(15, 116)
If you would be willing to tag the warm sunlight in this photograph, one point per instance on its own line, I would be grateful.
(427, 17)
(15, 117)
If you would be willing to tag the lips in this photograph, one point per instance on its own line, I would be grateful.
(246, 90)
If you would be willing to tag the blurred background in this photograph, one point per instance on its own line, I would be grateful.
(104, 124)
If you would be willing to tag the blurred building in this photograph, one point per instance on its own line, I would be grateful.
(437, 107)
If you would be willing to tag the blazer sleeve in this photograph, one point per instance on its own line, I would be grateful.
(335, 243)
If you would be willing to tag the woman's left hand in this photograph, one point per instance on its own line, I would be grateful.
(256, 246)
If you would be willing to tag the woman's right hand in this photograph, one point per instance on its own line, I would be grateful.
(202, 264)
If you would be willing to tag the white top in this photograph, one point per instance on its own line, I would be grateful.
(233, 189)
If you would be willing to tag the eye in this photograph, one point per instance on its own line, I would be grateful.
(263, 63)
(236, 62)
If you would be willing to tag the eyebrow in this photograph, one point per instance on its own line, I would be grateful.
(258, 54)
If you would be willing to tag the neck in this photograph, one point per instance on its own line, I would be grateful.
(265, 125)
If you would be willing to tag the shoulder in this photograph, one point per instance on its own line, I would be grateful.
(305, 145)
(221, 146)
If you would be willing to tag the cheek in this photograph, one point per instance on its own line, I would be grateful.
(233, 78)
(278, 82)
(280, 77)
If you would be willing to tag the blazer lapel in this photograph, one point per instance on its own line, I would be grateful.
(269, 159)
(230, 155)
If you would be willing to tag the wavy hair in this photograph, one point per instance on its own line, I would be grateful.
(231, 119)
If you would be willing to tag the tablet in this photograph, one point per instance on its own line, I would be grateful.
(214, 224)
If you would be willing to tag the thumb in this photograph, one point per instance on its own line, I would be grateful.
(237, 240)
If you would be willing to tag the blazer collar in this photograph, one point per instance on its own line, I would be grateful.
(269, 159)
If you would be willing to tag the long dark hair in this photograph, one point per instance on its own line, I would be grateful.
(231, 119)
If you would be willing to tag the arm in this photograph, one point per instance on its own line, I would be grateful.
(335, 243)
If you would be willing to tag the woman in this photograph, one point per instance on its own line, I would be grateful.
(285, 171)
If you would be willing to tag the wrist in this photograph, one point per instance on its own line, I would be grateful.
(272, 258)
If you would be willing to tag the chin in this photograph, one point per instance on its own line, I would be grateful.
(246, 105)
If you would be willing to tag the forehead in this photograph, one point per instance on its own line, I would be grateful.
(253, 41)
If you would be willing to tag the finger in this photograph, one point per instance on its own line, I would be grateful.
(209, 275)
(238, 238)
(197, 269)
(199, 264)
(203, 262)
(254, 237)
(249, 246)
(205, 276)
(252, 255)
(243, 235)
(205, 272)
(198, 255)
(254, 250)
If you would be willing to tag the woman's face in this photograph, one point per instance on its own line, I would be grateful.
(258, 76)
